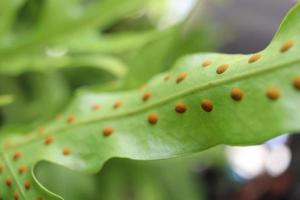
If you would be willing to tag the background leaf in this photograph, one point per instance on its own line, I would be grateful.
(33, 32)
(32, 94)
(123, 178)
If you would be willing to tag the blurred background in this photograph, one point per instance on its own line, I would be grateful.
(170, 28)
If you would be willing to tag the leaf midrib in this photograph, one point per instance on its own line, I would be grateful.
(13, 175)
(257, 71)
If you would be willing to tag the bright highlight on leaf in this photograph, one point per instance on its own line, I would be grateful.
(5, 99)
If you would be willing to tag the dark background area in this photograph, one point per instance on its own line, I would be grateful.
(250, 24)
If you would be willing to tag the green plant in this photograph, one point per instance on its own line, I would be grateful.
(205, 100)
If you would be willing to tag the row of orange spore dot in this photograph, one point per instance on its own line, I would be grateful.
(207, 105)
(21, 170)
